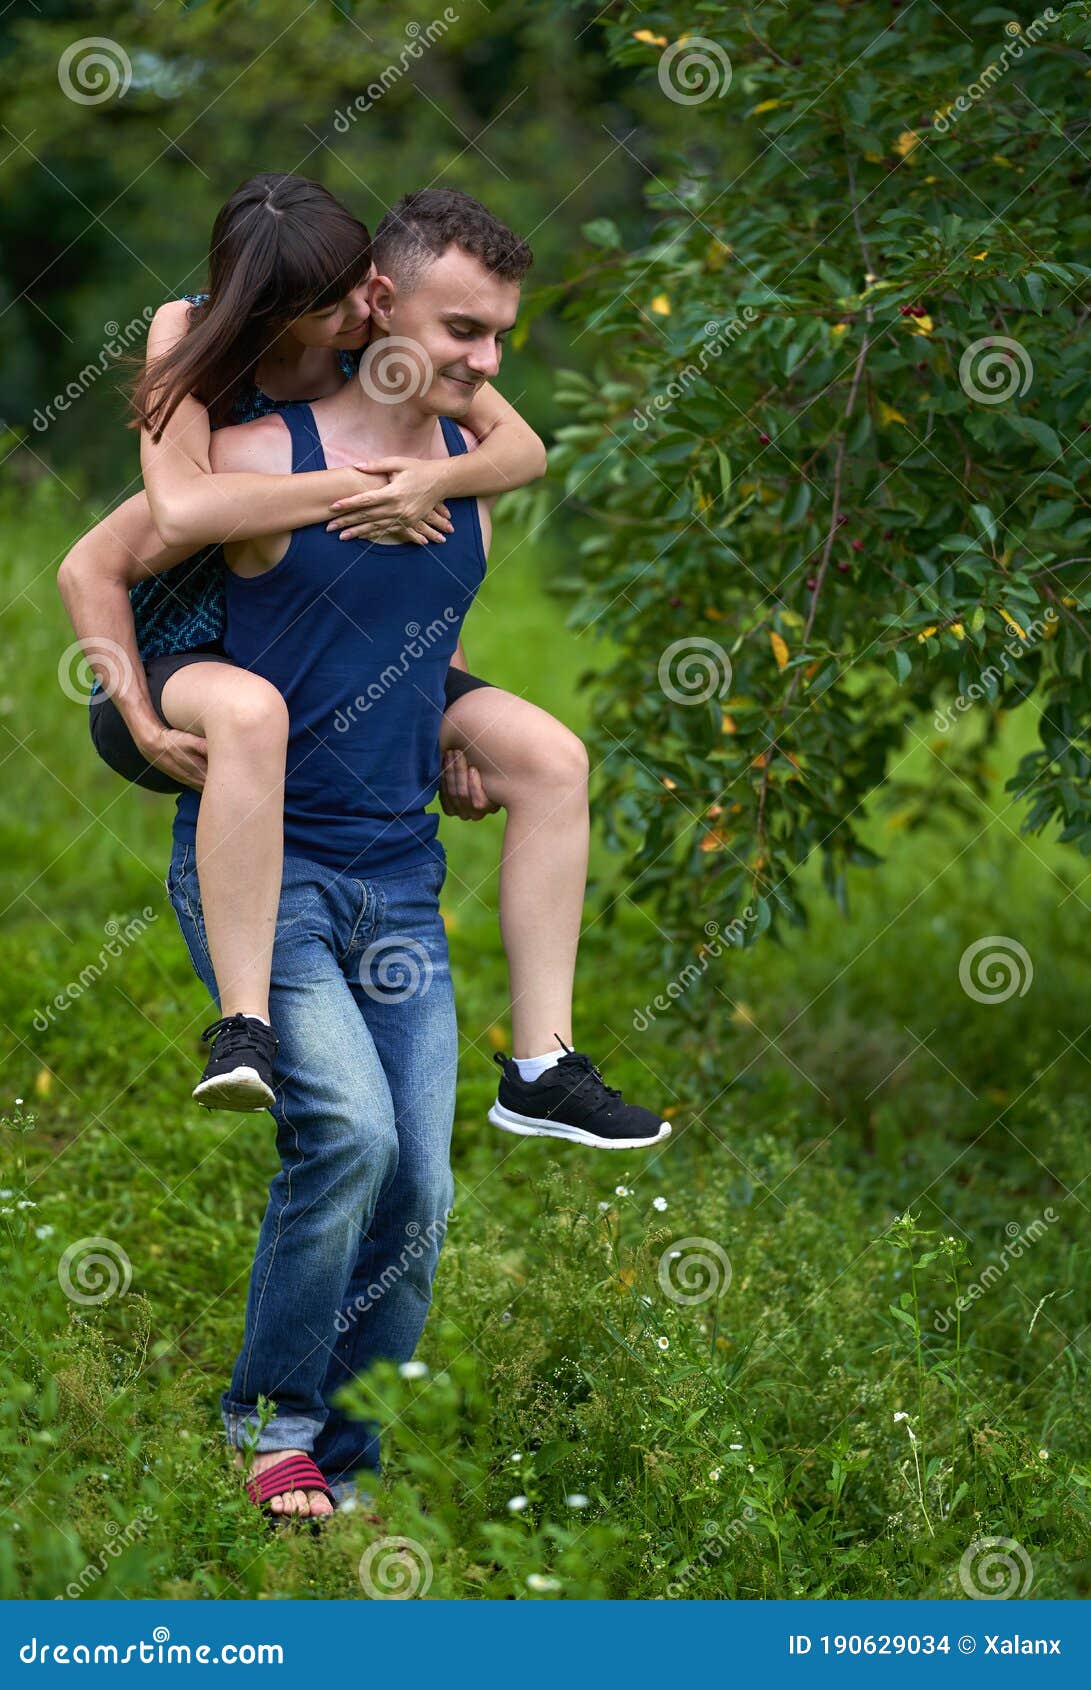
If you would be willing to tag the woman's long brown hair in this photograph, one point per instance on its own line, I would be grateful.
(281, 246)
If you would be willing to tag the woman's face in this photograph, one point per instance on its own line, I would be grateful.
(344, 326)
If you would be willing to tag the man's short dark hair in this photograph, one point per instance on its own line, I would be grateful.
(422, 226)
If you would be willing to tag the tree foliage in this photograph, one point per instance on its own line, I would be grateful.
(833, 456)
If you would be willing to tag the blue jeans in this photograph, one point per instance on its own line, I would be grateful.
(361, 1002)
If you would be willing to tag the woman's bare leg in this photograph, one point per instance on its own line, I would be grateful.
(536, 768)
(240, 828)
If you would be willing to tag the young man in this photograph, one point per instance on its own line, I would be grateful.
(357, 638)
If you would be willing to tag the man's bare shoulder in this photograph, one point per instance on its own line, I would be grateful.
(264, 447)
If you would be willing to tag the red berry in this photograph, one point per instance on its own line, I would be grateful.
(675, 603)
(763, 440)
(888, 533)
(857, 545)
(844, 567)
(841, 521)
(811, 584)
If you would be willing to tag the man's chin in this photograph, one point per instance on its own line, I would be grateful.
(457, 395)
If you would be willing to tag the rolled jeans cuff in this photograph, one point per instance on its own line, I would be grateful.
(284, 1431)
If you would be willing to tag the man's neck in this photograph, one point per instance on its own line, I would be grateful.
(403, 429)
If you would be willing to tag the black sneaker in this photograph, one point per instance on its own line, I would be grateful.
(572, 1100)
(239, 1071)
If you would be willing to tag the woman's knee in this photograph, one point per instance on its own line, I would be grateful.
(250, 709)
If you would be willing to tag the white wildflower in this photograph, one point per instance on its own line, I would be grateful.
(516, 1504)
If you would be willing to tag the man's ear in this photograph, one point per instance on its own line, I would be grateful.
(381, 294)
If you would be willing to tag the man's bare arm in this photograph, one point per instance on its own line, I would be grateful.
(94, 582)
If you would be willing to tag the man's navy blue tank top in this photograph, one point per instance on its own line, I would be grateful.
(357, 636)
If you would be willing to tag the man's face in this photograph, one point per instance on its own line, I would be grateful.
(459, 315)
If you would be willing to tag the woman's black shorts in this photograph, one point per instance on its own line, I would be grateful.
(114, 743)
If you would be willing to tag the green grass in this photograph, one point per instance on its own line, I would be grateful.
(818, 1091)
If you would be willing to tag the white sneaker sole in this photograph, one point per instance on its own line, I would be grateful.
(533, 1126)
(243, 1090)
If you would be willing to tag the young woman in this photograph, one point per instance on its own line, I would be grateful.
(285, 319)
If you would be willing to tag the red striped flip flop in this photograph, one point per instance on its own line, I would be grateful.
(295, 1472)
